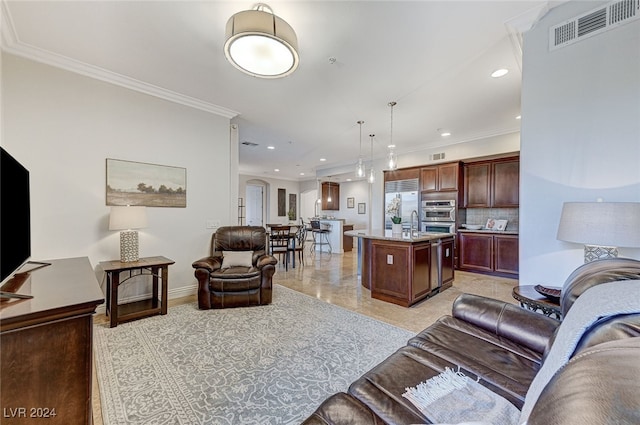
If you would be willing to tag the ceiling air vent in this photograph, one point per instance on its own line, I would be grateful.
(593, 22)
(250, 144)
(437, 156)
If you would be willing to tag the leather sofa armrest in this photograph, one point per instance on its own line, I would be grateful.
(208, 263)
(265, 260)
(530, 329)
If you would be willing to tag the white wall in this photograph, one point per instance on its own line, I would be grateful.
(359, 190)
(271, 190)
(62, 127)
(580, 136)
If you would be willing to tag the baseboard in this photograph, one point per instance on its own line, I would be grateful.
(183, 291)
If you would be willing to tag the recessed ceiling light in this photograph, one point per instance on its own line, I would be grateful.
(348, 180)
(302, 174)
(445, 134)
(518, 117)
(276, 170)
(271, 147)
(323, 159)
(499, 72)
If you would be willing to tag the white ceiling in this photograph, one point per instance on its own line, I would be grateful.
(432, 57)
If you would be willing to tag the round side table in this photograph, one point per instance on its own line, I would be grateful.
(530, 299)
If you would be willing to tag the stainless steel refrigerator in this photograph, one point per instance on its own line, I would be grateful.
(407, 191)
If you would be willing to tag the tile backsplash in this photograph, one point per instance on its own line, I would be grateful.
(481, 215)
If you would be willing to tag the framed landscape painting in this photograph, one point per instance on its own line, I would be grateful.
(150, 185)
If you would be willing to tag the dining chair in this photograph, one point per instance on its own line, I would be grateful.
(301, 236)
(279, 243)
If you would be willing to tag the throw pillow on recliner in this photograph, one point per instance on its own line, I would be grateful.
(237, 259)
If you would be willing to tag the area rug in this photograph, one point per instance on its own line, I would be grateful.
(262, 365)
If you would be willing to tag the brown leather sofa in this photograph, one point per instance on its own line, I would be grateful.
(505, 345)
(240, 285)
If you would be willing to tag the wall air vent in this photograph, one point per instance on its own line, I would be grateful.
(250, 144)
(437, 156)
(594, 22)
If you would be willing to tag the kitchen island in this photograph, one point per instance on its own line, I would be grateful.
(404, 270)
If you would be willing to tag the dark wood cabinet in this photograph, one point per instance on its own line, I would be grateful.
(476, 252)
(440, 178)
(404, 272)
(489, 253)
(46, 356)
(347, 241)
(448, 262)
(492, 184)
(506, 183)
(506, 254)
(330, 196)
(477, 185)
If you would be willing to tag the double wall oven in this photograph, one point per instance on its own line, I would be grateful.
(439, 215)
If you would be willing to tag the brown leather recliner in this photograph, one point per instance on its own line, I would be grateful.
(222, 285)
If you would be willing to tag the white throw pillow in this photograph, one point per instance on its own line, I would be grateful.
(237, 259)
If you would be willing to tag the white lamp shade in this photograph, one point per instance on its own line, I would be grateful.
(261, 44)
(127, 217)
(614, 224)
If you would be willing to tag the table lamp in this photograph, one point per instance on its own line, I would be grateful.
(601, 226)
(127, 218)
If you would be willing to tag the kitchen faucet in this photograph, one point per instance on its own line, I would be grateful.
(414, 233)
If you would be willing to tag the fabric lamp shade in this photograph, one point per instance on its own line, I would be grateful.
(127, 217)
(600, 224)
(124, 219)
(261, 44)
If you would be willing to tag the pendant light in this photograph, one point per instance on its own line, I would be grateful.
(360, 171)
(329, 192)
(392, 159)
(372, 176)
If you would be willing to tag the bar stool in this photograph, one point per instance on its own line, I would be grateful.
(320, 236)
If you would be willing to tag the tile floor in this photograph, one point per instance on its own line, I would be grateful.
(333, 278)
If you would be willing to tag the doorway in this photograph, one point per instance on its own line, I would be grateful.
(255, 204)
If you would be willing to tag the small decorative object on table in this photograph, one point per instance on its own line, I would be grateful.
(552, 293)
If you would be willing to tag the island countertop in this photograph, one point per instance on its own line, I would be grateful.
(381, 234)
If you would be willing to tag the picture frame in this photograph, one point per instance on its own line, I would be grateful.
(351, 202)
(282, 202)
(362, 208)
(144, 184)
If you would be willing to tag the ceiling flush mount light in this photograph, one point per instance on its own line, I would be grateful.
(392, 159)
(360, 172)
(261, 44)
(499, 73)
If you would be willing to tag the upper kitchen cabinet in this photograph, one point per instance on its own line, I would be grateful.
(506, 183)
(330, 196)
(490, 184)
(440, 178)
(401, 174)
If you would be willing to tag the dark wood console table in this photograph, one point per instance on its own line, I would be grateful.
(157, 267)
(47, 341)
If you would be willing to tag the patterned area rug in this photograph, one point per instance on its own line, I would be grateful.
(258, 365)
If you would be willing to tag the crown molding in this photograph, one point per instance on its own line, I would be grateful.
(12, 44)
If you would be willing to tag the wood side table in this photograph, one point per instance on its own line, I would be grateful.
(157, 267)
(530, 299)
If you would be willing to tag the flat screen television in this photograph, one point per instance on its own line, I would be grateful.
(15, 215)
